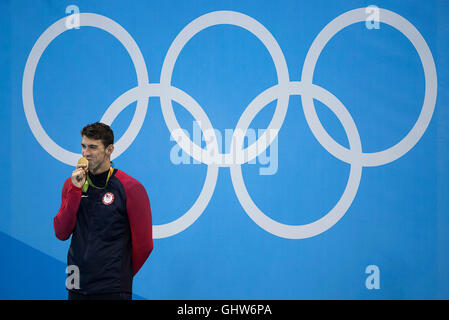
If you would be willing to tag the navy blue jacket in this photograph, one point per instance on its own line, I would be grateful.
(111, 232)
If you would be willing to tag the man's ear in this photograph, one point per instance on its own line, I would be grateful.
(110, 149)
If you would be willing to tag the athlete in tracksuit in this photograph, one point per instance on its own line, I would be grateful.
(109, 218)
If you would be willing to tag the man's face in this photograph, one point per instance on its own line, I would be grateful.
(95, 152)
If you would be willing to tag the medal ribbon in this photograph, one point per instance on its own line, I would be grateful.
(89, 182)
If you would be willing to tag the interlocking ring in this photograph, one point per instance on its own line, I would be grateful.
(280, 92)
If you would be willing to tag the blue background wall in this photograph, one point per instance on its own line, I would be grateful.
(398, 221)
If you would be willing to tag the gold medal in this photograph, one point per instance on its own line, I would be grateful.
(83, 160)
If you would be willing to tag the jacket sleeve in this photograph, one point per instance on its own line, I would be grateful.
(64, 222)
(139, 215)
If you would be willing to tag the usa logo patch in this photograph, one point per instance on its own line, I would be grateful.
(108, 198)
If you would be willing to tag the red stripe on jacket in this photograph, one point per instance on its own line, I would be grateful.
(65, 220)
(140, 221)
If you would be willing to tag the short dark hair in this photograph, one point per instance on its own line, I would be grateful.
(99, 131)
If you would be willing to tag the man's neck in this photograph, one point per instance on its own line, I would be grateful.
(101, 169)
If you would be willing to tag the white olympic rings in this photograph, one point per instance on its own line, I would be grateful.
(280, 92)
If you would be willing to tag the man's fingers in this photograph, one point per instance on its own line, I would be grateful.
(83, 166)
(78, 172)
(78, 176)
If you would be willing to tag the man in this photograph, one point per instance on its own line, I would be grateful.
(108, 214)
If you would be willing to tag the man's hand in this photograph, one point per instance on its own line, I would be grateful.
(79, 175)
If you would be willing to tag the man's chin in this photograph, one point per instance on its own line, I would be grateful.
(92, 168)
